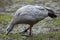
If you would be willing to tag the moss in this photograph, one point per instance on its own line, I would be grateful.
(5, 18)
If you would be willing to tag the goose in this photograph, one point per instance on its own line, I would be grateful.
(30, 14)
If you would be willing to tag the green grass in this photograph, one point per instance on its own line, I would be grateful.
(53, 35)
(50, 35)
(5, 18)
(10, 36)
(41, 36)
(51, 23)
(56, 21)
(29, 1)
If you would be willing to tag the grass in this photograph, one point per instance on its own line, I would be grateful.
(56, 21)
(5, 18)
(10, 36)
(50, 35)
(50, 23)
(29, 1)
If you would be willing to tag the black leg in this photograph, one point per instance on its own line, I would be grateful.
(26, 30)
(30, 30)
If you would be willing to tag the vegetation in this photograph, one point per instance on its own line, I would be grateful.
(9, 2)
(29, 1)
(41, 36)
(5, 18)
(4, 3)
(50, 35)
(10, 35)
(50, 23)
(57, 21)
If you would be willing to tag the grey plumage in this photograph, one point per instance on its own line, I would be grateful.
(30, 15)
